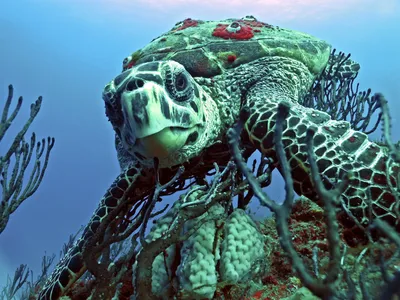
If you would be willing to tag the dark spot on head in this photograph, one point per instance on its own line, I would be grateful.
(139, 103)
(192, 138)
(185, 119)
(165, 107)
(121, 77)
(145, 117)
(151, 77)
(151, 66)
(194, 106)
(196, 91)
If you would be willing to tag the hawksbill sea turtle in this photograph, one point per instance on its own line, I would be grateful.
(177, 97)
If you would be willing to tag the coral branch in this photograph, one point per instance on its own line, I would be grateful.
(14, 193)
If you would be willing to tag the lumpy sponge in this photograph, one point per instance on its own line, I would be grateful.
(242, 248)
(197, 273)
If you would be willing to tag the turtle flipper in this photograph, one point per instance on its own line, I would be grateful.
(338, 148)
(72, 266)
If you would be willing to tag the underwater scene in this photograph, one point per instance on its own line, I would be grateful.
(199, 150)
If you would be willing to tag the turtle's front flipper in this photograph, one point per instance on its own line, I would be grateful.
(72, 266)
(338, 149)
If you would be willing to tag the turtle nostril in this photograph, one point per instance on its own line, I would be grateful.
(134, 84)
(131, 85)
(139, 83)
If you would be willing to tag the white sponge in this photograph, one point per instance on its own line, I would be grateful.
(242, 248)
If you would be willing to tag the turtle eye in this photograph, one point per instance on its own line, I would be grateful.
(181, 82)
(126, 61)
(178, 85)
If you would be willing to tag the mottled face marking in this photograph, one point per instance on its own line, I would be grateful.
(162, 112)
(121, 77)
(149, 67)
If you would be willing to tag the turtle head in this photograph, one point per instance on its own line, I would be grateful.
(158, 110)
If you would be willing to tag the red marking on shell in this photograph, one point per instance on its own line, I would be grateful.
(257, 30)
(231, 58)
(245, 32)
(352, 139)
(187, 23)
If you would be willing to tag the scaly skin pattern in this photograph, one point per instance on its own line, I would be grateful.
(72, 266)
(338, 148)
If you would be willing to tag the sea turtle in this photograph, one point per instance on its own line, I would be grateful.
(177, 97)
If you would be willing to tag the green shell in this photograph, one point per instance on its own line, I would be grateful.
(207, 48)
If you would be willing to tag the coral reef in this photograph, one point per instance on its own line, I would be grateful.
(205, 247)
